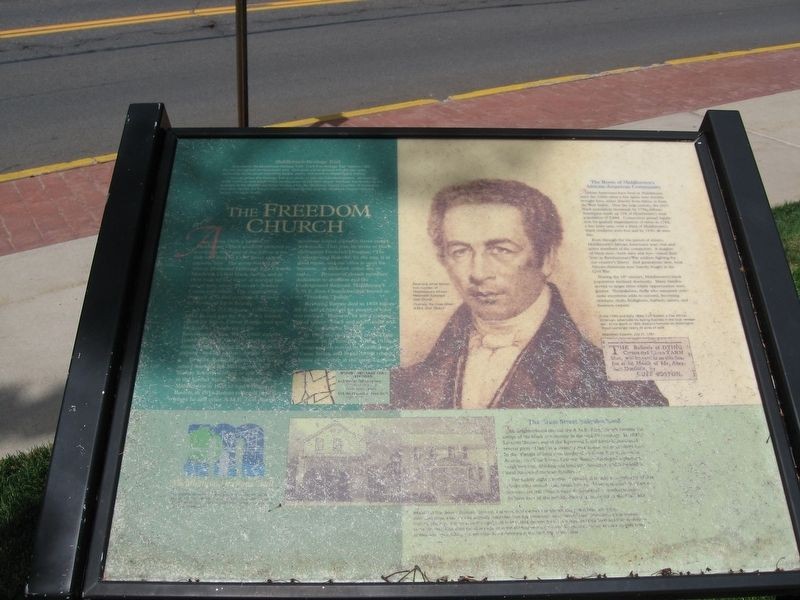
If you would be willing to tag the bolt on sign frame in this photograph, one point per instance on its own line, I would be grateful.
(254, 408)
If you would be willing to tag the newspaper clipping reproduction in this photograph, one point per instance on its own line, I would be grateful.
(435, 359)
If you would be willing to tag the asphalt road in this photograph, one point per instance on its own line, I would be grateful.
(63, 96)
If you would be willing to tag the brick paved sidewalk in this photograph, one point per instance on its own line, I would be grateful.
(57, 207)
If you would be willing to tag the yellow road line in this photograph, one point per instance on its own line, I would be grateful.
(518, 86)
(158, 17)
(355, 113)
(83, 162)
(515, 87)
(719, 55)
(56, 167)
(567, 78)
(104, 158)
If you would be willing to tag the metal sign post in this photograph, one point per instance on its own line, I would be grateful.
(241, 61)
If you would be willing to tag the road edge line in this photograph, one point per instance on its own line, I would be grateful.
(145, 18)
(84, 162)
(58, 167)
(731, 54)
(350, 114)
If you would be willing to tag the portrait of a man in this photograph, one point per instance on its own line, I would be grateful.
(511, 343)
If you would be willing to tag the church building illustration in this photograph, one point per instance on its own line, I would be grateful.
(391, 461)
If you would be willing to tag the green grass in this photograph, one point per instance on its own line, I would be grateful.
(22, 477)
(787, 218)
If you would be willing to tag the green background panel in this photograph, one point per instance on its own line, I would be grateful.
(685, 488)
(233, 310)
(696, 488)
(171, 526)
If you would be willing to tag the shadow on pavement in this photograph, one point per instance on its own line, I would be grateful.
(26, 416)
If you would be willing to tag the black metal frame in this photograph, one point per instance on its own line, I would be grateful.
(79, 500)
(72, 483)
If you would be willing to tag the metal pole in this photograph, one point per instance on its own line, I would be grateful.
(241, 61)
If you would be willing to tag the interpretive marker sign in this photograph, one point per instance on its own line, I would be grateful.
(393, 358)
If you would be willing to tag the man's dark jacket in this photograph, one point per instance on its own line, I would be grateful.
(558, 368)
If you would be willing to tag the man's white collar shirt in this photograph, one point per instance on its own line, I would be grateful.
(494, 347)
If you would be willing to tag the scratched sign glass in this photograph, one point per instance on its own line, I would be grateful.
(383, 360)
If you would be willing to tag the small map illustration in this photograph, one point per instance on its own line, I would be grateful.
(317, 386)
(328, 386)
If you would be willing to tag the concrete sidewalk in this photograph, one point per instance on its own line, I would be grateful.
(48, 222)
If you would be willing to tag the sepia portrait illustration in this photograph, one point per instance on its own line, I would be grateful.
(512, 342)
